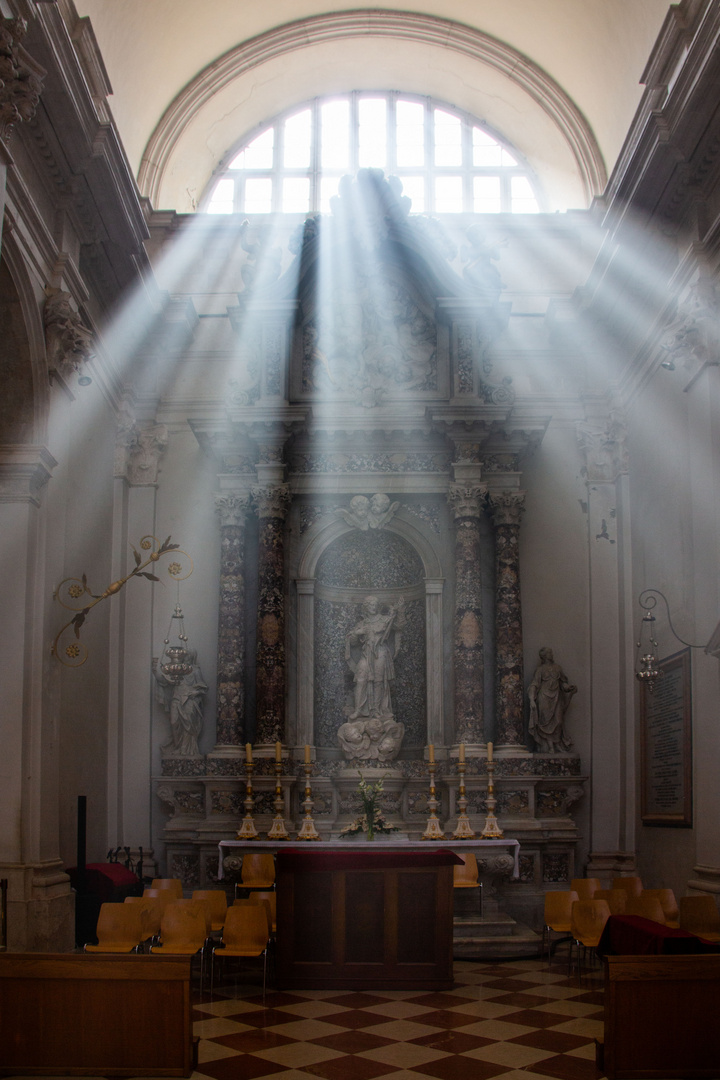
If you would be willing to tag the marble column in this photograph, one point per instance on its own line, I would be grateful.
(232, 508)
(506, 508)
(272, 504)
(465, 503)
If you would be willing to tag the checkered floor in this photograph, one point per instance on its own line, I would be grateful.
(513, 1019)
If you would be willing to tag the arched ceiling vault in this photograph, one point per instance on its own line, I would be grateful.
(558, 78)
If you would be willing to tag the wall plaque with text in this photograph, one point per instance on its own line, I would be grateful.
(666, 725)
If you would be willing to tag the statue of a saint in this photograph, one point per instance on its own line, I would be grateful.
(370, 649)
(185, 702)
(550, 693)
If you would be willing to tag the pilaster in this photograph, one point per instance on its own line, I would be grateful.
(232, 508)
(507, 508)
(272, 504)
(465, 503)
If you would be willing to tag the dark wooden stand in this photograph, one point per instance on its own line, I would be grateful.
(95, 1015)
(365, 921)
(661, 1017)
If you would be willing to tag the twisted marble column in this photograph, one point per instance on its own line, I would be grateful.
(507, 508)
(272, 504)
(231, 620)
(465, 503)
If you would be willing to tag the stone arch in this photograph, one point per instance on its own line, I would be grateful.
(205, 105)
(24, 409)
(323, 533)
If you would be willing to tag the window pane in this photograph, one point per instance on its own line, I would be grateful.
(258, 196)
(372, 149)
(414, 188)
(507, 159)
(410, 133)
(258, 154)
(335, 127)
(448, 138)
(297, 132)
(295, 195)
(486, 150)
(448, 194)
(522, 196)
(486, 195)
(328, 188)
(222, 198)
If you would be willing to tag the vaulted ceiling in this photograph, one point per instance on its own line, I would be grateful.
(559, 78)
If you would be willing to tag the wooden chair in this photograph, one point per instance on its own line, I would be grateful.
(217, 904)
(184, 931)
(169, 883)
(585, 887)
(165, 896)
(465, 876)
(587, 923)
(699, 915)
(646, 907)
(668, 903)
(151, 909)
(616, 899)
(119, 929)
(558, 909)
(245, 934)
(270, 896)
(258, 871)
(631, 885)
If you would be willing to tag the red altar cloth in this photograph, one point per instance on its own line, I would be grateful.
(110, 882)
(631, 935)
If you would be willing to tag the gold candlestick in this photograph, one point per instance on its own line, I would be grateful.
(278, 830)
(247, 830)
(464, 829)
(492, 830)
(432, 830)
(308, 830)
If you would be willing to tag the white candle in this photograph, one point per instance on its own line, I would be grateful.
(248, 753)
(490, 751)
(307, 754)
(461, 754)
(431, 754)
(278, 751)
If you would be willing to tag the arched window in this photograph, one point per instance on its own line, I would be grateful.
(447, 161)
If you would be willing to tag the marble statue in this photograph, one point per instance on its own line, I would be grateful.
(550, 693)
(372, 739)
(185, 702)
(370, 649)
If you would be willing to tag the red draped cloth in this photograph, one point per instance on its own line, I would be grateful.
(631, 935)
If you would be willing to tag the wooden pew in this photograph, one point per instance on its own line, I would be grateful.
(661, 1017)
(97, 1015)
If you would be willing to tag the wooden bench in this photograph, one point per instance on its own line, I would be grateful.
(661, 1017)
(95, 1015)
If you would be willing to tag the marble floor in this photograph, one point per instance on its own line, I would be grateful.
(513, 1019)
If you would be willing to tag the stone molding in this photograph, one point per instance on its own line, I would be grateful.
(425, 30)
(24, 472)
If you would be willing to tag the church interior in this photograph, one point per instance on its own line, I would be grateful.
(360, 438)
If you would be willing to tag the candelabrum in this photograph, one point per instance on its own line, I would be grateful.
(308, 830)
(432, 830)
(464, 829)
(278, 830)
(492, 830)
(247, 830)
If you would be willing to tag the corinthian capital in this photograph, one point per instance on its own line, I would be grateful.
(272, 502)
(20, 77)
(232, 508)
(507, 507)
(465, 499)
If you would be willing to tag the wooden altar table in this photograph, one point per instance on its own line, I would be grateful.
(365, 919)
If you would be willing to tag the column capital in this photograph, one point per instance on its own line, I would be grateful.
(506, 507)
(603, 440)
(272, 502)
(232, 507)
(465, 499)
(24, 472)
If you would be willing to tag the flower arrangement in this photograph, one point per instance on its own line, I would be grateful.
(371, 820)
